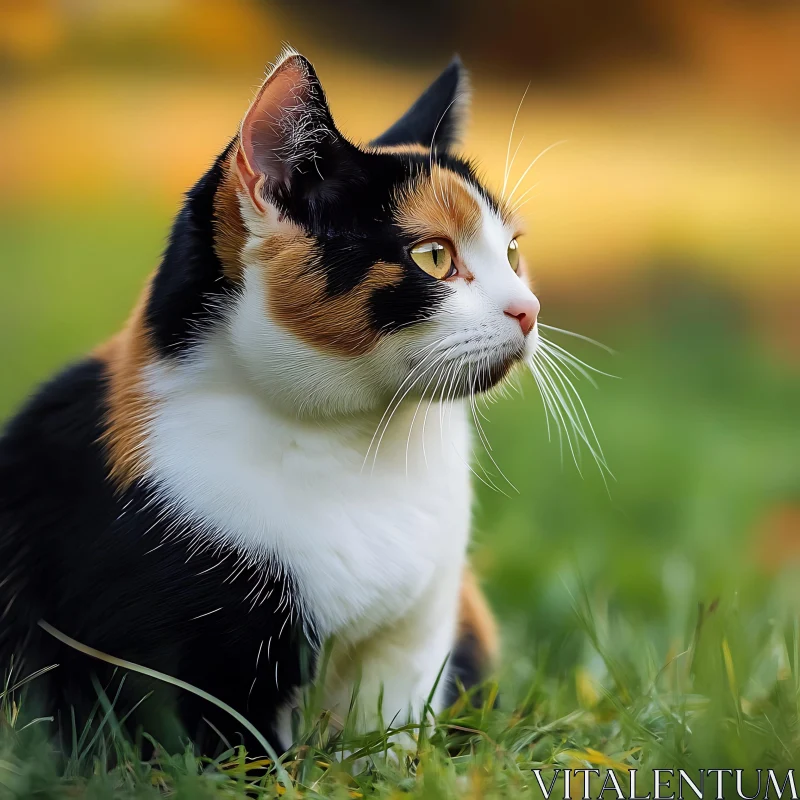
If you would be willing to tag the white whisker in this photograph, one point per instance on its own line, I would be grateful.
(416, 411)
(574, 369)
(547, 397)
(510, 137)
(530, 166)
(489, 480)
(564, 355)
(577, 422)
(440, 372)
(559, 406)
(432, 349)
(520, 201)
(482, 436)
(577, 336)
(399, 402)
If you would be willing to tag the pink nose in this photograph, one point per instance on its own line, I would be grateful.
(525, 312)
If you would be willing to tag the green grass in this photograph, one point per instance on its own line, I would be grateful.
(656, 624)
(623, 704)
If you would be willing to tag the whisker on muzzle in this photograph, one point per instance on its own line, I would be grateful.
(553, 368)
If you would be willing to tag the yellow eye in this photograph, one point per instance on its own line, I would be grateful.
(434, 257)
(513, 255)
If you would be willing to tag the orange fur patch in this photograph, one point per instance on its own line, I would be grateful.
(440, 205)
(128, 412)
(230, 233)
(297, 297)
(476, 621)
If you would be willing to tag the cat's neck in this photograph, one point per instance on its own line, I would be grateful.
(212, 394)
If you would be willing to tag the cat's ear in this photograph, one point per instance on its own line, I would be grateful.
(288, 143)
(439, 114)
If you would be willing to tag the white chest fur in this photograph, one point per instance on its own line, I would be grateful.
(364, 541)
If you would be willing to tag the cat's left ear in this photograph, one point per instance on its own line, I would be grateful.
(289, 149)
(438, 116)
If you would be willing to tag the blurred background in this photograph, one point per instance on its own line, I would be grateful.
(667, 225)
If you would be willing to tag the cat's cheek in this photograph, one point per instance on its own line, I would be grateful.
(298, 300)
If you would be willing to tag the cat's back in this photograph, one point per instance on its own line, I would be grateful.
(54, 497)
(50, 454)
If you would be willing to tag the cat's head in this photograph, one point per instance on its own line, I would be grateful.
(366, 270)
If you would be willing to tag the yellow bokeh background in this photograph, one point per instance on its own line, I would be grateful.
(699, 156)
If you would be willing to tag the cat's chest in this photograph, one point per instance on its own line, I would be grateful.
(361, 542)
(364, 551)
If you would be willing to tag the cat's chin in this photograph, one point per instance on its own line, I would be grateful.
(476, 379)
(487, 377)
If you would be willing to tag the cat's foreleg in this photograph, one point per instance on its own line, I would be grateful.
(400, 672)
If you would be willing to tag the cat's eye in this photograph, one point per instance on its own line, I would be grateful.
(435, 258)
(513, 255)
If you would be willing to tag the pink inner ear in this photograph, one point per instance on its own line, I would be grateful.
(267, 129)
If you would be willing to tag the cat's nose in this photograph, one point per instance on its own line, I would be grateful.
(525, 312)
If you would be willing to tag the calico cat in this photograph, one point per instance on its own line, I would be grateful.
(274, 451)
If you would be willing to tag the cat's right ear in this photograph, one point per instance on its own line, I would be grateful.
(437, 118)
(288, 140)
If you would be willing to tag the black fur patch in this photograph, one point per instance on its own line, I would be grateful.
(466, 667)
(121, 574)
(414, 299)
(190, 284)
(436, 113)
